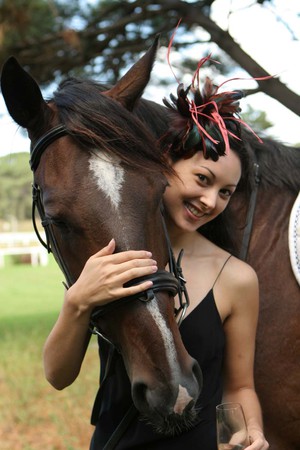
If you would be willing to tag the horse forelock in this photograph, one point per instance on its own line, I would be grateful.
(97, 122)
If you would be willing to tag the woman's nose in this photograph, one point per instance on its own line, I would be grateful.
(209, 200)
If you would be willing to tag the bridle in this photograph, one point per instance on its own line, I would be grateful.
(250, 213)
(171, 281)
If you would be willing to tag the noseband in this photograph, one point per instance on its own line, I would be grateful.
(171, 281)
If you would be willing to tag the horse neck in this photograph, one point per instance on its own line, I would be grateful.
(269, 231)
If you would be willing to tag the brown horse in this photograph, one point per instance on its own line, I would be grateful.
(97, 175)
(277, 368)
(277, 365)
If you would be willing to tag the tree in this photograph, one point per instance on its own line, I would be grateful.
(58, 37)
(15, 187)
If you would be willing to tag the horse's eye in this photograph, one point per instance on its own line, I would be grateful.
(63, 225)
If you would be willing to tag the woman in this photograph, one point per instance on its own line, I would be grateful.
(205, 148)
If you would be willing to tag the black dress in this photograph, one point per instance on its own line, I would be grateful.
(203, 337)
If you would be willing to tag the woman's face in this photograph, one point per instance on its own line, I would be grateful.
(201, 191)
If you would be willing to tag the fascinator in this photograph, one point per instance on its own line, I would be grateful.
(202, 118)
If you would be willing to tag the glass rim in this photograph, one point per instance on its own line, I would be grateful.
(228, 405)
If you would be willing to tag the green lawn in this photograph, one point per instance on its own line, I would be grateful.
(33, 416)
(26, 290)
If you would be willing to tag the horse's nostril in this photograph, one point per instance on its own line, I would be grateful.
(139, 390)
(150, 399)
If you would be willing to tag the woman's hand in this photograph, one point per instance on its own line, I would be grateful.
(257, 440)
(104, 274)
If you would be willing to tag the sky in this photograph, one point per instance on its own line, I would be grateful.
(262, 34)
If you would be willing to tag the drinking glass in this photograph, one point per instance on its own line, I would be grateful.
(232, 431)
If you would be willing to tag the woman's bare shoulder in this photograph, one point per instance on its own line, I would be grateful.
(239, 272)
(236, 274)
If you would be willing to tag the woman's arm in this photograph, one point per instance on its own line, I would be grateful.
(100, 282)
(240, 330)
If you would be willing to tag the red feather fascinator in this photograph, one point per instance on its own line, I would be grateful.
(202, 119)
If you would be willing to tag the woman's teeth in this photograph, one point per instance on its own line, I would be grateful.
(194, 210)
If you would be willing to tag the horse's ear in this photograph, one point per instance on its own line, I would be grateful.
(22, 95)
(131, 86)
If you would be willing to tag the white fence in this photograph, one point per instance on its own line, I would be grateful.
(22, 244)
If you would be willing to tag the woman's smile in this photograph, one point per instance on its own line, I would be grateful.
(194, 212)
(201, 191)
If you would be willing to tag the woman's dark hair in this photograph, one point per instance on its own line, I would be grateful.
(222, 229)
(208, 121)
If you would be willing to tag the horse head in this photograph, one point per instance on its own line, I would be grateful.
(98, 175)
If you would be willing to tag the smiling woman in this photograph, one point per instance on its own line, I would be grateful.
(201, 189)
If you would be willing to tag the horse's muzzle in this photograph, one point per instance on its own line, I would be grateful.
(169, 407)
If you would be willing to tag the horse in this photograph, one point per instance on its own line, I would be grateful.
(276, 169)
(98, 176)
(260, 235)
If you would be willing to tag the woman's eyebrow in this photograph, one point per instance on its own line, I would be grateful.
(214, 176)
(204, 167)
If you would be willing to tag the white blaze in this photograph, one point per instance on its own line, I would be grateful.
(109, 176)
(182, 401)
(183, 398)
(166, 334)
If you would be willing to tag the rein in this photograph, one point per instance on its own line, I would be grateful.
(250, 213)
(171, 281)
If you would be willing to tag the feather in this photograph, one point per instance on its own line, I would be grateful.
(193, 138)
(209, 118)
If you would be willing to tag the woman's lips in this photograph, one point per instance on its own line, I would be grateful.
(196, 212)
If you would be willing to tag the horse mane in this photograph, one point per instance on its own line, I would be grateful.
(96, 121)
(279, 164)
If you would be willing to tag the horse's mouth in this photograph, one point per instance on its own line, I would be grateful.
(173, 424)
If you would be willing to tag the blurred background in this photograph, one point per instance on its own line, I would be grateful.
(101, 40)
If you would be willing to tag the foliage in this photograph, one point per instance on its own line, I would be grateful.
(257, 120)
(58, 38)
(15, 187)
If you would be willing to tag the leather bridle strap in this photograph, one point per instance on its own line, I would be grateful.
(43, 143)
(50, 244)
(176, 269)
(37, 203)
(162, 281)
(250, 214)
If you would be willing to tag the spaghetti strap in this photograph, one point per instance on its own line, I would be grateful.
(221, 271)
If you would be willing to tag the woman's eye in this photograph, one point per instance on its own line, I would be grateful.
(202, 178)
(226, 192)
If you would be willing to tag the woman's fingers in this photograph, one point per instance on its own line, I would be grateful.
(105, 274)
(136, 269)
(107, 250)
(120, 257)
(133, 290)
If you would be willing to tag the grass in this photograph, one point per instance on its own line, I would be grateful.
(33, 416)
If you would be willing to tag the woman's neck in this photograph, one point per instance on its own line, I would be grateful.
(189, 241)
